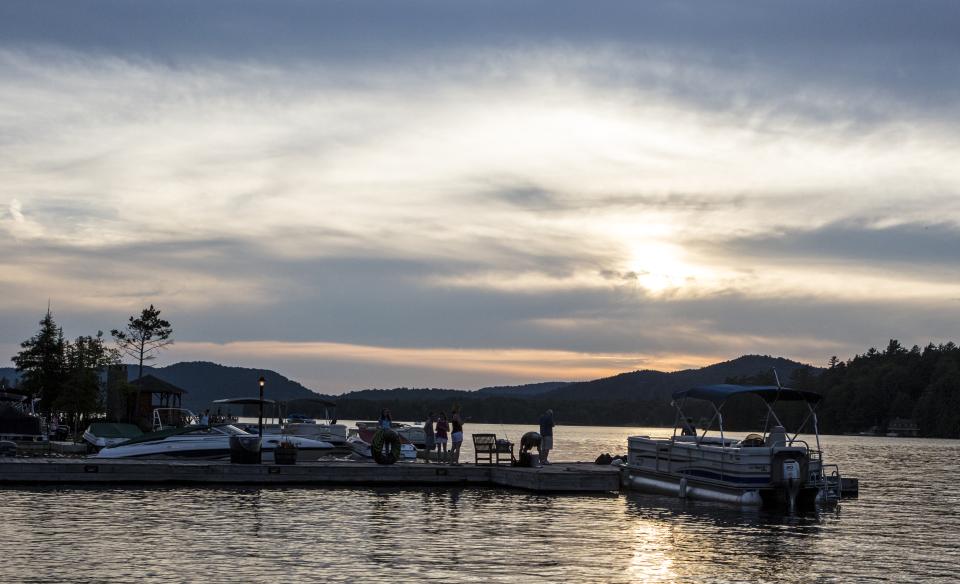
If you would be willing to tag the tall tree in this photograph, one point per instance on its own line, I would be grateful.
(143, 338)
(42, 362)
(85, 359)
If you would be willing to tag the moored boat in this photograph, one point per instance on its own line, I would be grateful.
(773, 468)
(19, 422)
(412, 433)
(361, 442)
(102, 434)
(207, 442)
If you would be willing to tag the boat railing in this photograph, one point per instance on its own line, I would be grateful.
(831, 484)
(164, 418)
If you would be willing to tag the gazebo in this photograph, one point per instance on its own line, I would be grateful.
(153, 393)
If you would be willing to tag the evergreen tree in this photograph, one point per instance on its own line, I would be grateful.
(144, 336)
(42, 363)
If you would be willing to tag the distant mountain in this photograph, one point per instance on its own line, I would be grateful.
(657, 385)
(205, 382)
(407, 394)
(528, 390)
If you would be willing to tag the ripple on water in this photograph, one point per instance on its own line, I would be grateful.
(901, 527)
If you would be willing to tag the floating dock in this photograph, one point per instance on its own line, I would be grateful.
(560, 477)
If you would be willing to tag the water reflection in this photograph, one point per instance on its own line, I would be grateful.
(900, 527)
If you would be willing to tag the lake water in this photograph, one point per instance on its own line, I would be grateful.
(905, 526)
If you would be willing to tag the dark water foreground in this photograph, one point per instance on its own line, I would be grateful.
(904, 527)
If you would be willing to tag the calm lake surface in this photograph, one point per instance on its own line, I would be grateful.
(905, 526)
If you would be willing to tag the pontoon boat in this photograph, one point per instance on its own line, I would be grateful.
(771, 468)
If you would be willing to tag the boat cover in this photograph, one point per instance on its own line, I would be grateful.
(244, 401)
(114, 430)
(770, 393)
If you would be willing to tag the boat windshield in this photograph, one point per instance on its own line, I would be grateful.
(230, 430)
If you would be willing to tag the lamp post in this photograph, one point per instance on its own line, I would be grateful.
(260, 426)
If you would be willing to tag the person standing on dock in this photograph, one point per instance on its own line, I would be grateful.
(385, 421)
(428, 439)
(442, 428)
(456, 436)
(546, 436)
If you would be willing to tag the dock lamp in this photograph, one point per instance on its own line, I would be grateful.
(262, 382)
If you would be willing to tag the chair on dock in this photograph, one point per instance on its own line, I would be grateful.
(488, 450)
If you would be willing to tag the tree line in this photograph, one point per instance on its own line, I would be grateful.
(66, 376)
(862, 394)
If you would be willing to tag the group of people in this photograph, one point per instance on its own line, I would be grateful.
(436, 430)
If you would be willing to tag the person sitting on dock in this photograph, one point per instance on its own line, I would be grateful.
(546, 435)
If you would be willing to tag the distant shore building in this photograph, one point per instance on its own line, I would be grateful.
(903, 427)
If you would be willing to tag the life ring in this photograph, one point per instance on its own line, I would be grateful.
(389, 439)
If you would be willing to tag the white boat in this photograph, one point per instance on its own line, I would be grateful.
(207, 442)
(335, 434)
(102, 434)
(412, 433)
(361, 440)
(326, 429)
(772, 468)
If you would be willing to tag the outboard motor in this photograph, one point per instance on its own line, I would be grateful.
(791, 476)
(789, 469)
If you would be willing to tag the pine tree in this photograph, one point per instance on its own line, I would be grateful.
(143, 338)
(42, 363)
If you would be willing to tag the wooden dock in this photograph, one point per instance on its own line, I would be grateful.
(574, 477)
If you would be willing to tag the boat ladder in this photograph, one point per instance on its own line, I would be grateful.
(832, 485)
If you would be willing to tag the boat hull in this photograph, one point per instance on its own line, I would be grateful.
(722, 472)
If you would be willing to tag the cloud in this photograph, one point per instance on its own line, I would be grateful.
(665, 182)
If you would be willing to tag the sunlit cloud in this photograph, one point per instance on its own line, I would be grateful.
(642, 180)
(524, 364)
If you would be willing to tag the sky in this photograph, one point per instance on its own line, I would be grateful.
(441, 194)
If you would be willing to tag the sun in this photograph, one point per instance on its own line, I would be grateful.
(661, 267)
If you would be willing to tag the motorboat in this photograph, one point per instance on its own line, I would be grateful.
(207, 442)
(412, 433)
(326, 429)
(103, 434)
(19, 422)
(774, 468)
(296, 424)
(360, 442)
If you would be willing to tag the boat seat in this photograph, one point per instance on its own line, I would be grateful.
(777, 437)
